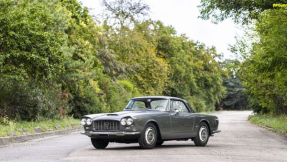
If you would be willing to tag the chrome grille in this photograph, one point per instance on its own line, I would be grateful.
(106, 125)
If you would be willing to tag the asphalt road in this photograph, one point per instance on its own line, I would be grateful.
(238, 141)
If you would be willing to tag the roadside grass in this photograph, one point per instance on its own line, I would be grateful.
(44, 124)
(277, 124)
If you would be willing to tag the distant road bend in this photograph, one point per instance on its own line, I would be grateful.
(238, 141)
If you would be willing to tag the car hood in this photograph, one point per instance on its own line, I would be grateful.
(119, 115)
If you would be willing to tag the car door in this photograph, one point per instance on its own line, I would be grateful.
(182, 122)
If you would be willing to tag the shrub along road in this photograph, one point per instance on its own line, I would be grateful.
(238, 141)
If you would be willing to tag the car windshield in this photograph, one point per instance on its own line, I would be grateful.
(136, 105)
(154, 104)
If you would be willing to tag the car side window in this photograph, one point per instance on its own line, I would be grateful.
(179, 105)
(160, 105)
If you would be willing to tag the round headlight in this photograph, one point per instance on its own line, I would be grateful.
(123, 121)
(89, 121)
(130, 121)
(83, 121)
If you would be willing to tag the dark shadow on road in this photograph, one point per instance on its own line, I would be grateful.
(158, 147)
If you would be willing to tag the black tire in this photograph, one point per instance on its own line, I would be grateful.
(148, 138)
(99, 144)
(159, 143)
(202, 136)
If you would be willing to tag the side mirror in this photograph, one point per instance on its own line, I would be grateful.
(176, 111)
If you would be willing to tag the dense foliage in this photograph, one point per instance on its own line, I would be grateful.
(241, 11)
(264, 66)
(32, 35)
(56, 60)
(265, 71)
(236, 98)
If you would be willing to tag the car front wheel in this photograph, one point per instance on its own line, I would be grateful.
(99, 144)
(202, 136)
(148, 138)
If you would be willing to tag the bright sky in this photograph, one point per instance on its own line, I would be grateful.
(183, 16)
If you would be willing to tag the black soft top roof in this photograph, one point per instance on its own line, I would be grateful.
(163, 97)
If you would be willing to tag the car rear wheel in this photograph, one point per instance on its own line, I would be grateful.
(148, 138)
(99, 144)
(202, 136)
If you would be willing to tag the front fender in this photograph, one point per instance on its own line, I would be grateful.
(208, 124)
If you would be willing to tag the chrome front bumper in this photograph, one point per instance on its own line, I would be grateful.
(118, 134)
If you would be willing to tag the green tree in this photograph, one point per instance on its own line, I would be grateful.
(125, 12)
(31, 39)
(264, 72)
(147, 71)
(236, 97)
(82, 67)
(241, 11)
(194, 72)
(132, 48)
(88, 64)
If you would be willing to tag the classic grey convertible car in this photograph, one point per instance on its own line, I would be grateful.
(150, 121)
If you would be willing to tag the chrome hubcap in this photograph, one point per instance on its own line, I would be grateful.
(150, 136)
(203, 134)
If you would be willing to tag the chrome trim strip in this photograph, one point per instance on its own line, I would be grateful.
(115, 133)
(90, 133)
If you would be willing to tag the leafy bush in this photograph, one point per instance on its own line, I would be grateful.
(128, 86)
(197, 104)
(85, 101)
(4, 120)
(31, 38)
(24, 100)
